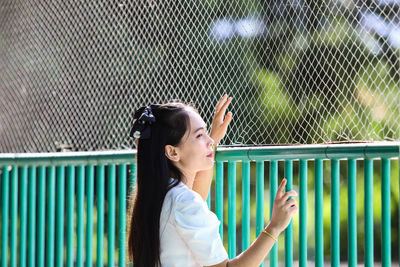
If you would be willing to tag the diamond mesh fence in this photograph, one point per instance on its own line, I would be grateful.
(300, 72)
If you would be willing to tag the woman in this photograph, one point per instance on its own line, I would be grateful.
(170, 224)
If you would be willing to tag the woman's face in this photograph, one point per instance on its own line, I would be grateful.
(195, 149)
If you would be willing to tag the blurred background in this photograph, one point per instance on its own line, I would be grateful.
(300, 72)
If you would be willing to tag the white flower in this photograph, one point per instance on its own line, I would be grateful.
(136, 134)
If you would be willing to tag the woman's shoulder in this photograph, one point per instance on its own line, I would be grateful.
(181, 193)
(182, 198)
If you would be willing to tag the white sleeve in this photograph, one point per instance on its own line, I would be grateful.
(199, 227)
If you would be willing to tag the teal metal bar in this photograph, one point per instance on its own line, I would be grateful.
(368, 213)
(89, 214)
(335, 209)
(232, 209)
(41, 216)
(13, 216)
(219, 196)
(60, 216)
(111, 213)
(309, 152)
(319, 222)
(100, 214)
(31, 216)
(289, 229)
(132, 178)
(80, 206)
(259, 198)
(4, 216)
(352, 211)
(68, 158)
(273, 180)
(70, 214)
(209, 200)
(386, 225)
(245, 205)
(23, 215)
(303, 213)
(51, 182)
(122, 213)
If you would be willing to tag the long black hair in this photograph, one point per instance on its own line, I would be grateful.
(169, 124)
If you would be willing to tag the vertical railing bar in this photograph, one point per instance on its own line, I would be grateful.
(80, 206)
(60, 216)
(13, 216)
(273, 180)
(122, 213)
(51, 216)
(89, 214)
(303, 213)
(386, 224)
(31, 216)
(289, 229)
(4, 216)
(352, 212)
(23, 215)
(245, 205)
(111, 213)
(335, 209)
(41, 215)
(100, 213)
(70, 214)
(232, 209)
(368, 213)
(219, 196)
(319, 227)
(259, 198)
(132, 178)
(209, 199)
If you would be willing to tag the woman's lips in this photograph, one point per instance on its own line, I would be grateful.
(210, 155)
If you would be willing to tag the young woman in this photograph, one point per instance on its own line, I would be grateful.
(170, 224)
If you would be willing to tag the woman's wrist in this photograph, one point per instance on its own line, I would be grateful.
(274, 231)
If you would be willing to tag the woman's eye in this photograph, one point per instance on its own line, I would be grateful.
(200, 135)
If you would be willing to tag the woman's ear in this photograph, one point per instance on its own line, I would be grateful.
(171, 153)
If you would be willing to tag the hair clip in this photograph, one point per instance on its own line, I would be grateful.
(141, 128)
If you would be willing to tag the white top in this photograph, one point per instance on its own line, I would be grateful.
(189, 234)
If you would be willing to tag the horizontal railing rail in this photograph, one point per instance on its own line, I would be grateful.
(70, 208)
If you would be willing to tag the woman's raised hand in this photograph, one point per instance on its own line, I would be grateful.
(284, 208)
(220, 121)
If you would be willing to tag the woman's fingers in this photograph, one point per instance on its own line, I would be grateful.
(225, 106)
(292, 210)
(221, 107)
(291, 202)
(281, 189)
(288, 194)
(227, 120)
(221, 103)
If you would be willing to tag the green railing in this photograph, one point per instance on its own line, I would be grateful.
(39, 205)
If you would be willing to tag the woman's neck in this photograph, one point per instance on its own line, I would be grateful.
(188, 179)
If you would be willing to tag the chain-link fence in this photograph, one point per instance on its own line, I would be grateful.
(72, 73)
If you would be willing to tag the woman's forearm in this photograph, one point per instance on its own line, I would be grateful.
(257, 252)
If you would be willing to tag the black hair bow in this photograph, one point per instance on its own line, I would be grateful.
(143, 118)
